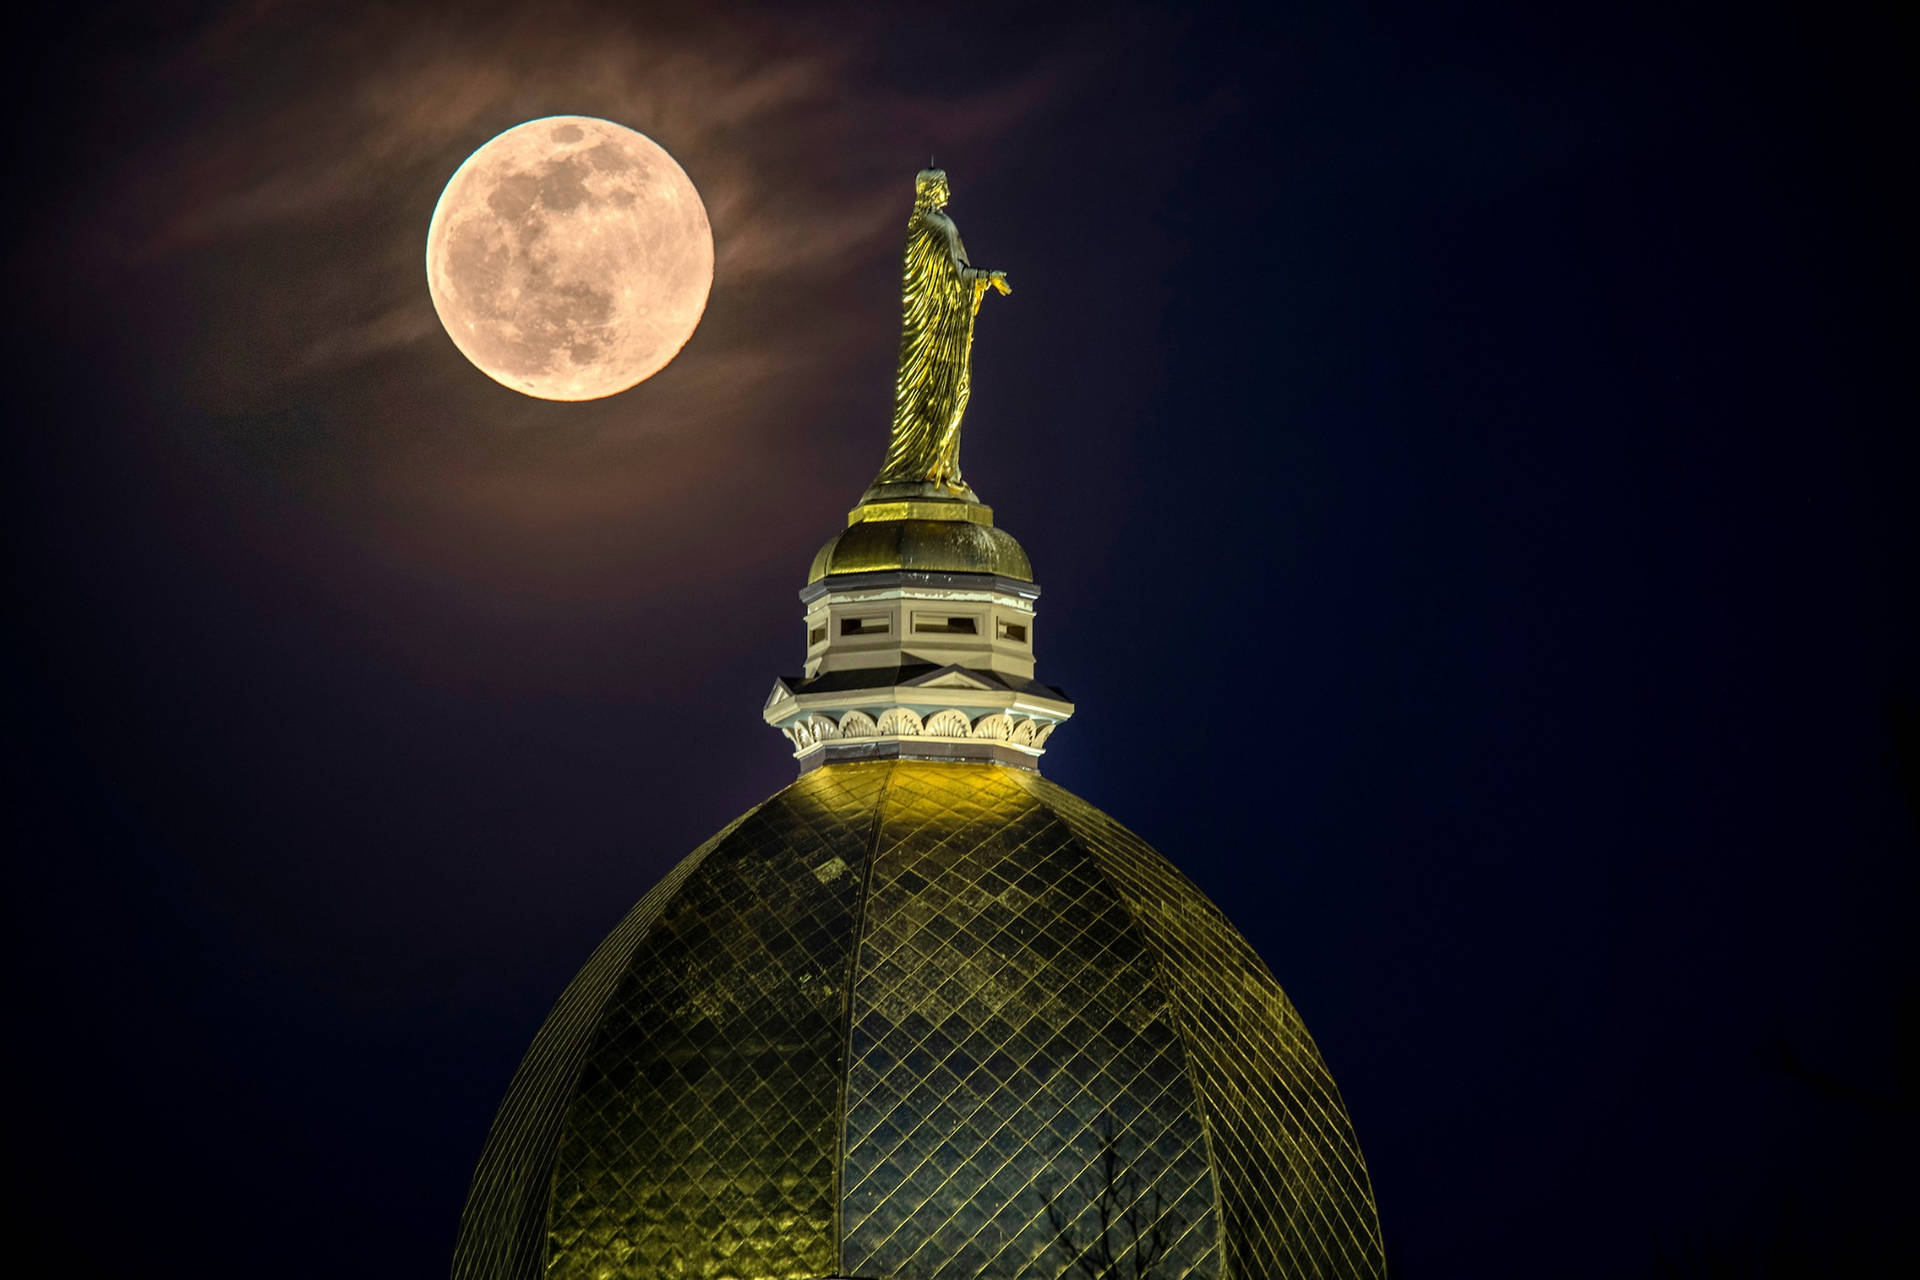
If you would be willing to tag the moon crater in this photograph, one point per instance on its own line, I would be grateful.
(570, 258)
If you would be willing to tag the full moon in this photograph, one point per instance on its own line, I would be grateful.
(570, 258)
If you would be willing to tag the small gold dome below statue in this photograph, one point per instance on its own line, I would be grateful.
(958, 542)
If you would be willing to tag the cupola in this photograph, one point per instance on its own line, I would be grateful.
(919, 619)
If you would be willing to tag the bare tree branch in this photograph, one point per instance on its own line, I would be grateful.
(1130, 1216)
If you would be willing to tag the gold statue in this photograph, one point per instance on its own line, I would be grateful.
(941, 294)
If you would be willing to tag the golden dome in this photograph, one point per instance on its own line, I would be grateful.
(886, 1024)
(925, 537)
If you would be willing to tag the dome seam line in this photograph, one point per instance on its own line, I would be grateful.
(846, 1022)
(1182, 1030)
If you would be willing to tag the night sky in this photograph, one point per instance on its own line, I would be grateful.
(1468, 454)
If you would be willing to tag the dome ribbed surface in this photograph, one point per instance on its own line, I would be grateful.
(897, 1022)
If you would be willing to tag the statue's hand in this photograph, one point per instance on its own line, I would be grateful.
(999, 281)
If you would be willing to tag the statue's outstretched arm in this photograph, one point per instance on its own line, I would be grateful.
(983, 278)
(958, 252)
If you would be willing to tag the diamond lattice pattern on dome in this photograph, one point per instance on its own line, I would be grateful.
(503, 1231)
(878, 1025)
(705, 1130)
(1005, 1015)
(1294, 1190)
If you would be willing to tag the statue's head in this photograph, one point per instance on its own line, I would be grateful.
(930, 189)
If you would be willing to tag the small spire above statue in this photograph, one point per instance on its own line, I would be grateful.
(941, 293)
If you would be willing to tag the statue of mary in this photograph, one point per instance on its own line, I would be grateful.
(941, 293)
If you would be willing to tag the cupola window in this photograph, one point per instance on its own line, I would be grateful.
(1014, 631)
(872, 625)
(943, 624)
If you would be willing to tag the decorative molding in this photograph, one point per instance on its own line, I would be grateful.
(899, 722)
(1026, 735)
(953, 680)
(848, 584)
(950, 723)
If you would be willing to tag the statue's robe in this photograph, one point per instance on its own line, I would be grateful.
(936, 340)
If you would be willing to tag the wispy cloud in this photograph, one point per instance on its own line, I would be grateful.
(264, 240)
(763, 115)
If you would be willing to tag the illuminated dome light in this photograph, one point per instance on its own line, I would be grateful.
(881, 1022)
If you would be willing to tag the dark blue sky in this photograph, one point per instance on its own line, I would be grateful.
(1468, 453)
